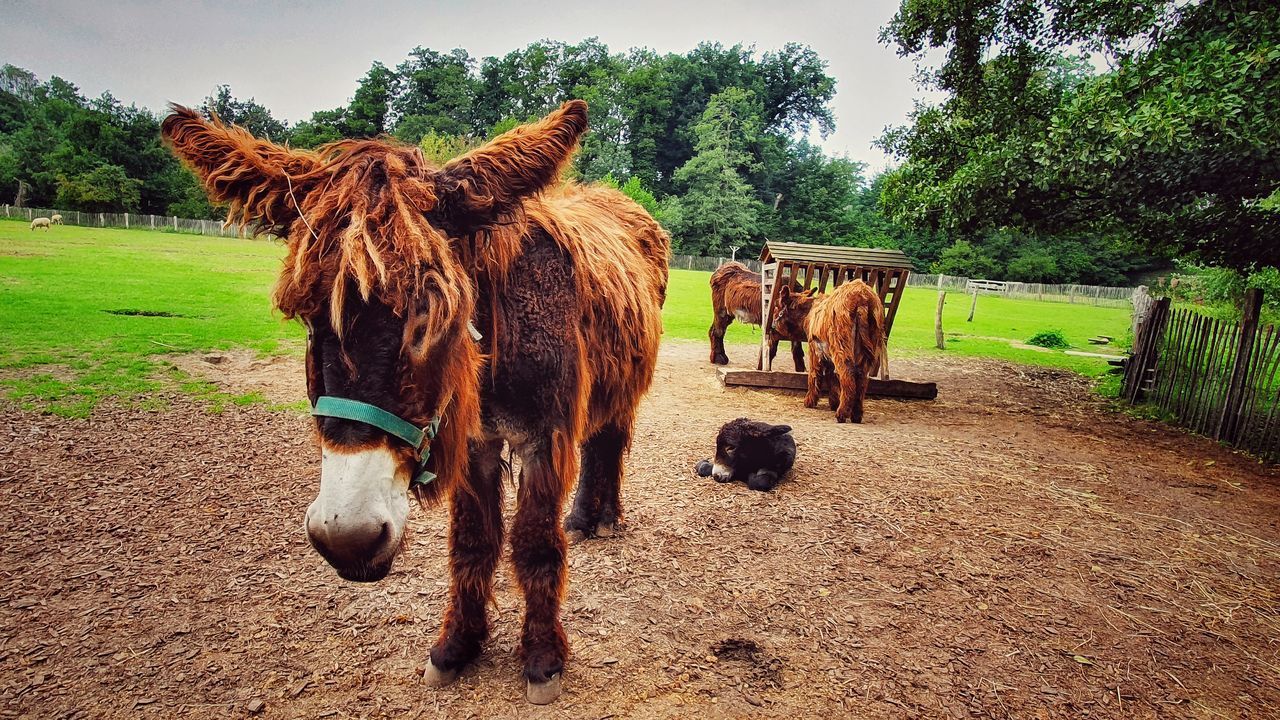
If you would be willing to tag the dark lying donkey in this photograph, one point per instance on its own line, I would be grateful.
(751, 451)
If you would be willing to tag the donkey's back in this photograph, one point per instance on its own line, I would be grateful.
(617, 255)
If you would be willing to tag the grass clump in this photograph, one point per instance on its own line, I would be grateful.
(1052, 339)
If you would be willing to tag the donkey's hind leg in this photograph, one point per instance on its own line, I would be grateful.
(597, 507)
(539, 553)
(719, 325)
(475, 542)
(853, 389)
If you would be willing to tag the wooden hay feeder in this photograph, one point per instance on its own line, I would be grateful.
(821, 266)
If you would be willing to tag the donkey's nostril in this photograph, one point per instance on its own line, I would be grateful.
(351, 541)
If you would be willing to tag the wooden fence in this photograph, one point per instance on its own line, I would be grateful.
(707, 264)
(130, 220)
(1066, 293)
(1215, 377)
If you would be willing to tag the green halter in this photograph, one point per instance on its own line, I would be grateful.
(418, 438)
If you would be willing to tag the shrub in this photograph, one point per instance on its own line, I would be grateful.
(1049, 339)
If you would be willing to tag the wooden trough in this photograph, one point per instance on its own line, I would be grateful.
(784, 380)
(819, 266)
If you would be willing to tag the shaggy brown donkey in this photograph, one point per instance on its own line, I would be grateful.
(450, 309)
(846, 342)
(735, 295)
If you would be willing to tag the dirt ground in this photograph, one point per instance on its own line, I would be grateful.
(1009, 550)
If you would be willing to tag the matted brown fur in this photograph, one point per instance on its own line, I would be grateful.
(367, 224)
(846, 330)
(736, 289)
(429, 245)
(736, 295)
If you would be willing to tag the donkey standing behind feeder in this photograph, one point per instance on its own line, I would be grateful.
(735, 295)
(847, 338)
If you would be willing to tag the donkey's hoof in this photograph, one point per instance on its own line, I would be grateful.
(606, 529)
(543, 693)
(437, 678)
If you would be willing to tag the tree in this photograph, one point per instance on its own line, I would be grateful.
(1033, 265)
(101, 189)
(440, 148)
(718, 208)
(437, 92)
(966, 260)
(1175, 144)
(646, 110)
(817, 197)
(369, 111)
(248, 114)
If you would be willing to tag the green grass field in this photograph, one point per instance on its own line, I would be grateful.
(85, 313)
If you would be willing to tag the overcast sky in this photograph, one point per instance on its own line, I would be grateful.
(297, 57)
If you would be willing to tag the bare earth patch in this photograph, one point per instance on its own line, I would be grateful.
(1009, 550)
(278, 378)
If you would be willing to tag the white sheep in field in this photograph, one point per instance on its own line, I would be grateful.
(55, 220)
(40, 222)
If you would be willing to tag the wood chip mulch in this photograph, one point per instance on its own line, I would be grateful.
(1012, 549)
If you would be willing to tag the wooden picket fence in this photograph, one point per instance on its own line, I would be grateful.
(1215, 377)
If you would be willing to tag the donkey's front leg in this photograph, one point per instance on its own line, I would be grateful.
(797, 355)
(814, 381)
(538, 551)
(475, 542)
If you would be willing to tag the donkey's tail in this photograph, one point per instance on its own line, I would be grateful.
(869, 348)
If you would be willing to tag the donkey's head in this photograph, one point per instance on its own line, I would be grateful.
(792, 312)
(382, 248)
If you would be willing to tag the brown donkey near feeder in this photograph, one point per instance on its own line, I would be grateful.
(449, 309)
(846, 342)
(735, 295)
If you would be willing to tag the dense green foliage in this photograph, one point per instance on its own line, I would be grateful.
(715, 132)
(1037, 168)
(1220, 291)
(1175, 145)
(59, 149)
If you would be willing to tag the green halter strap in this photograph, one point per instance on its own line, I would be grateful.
(418, 438)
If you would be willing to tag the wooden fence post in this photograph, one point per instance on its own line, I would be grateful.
(1145, 347)
(974, 305)
(1238, 386)
(938, 337)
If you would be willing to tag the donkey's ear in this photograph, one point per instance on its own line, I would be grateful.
(478, 188)
(777, 430)
(784, 294)
(261, 181)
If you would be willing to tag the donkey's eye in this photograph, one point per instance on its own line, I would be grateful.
(728, 448)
